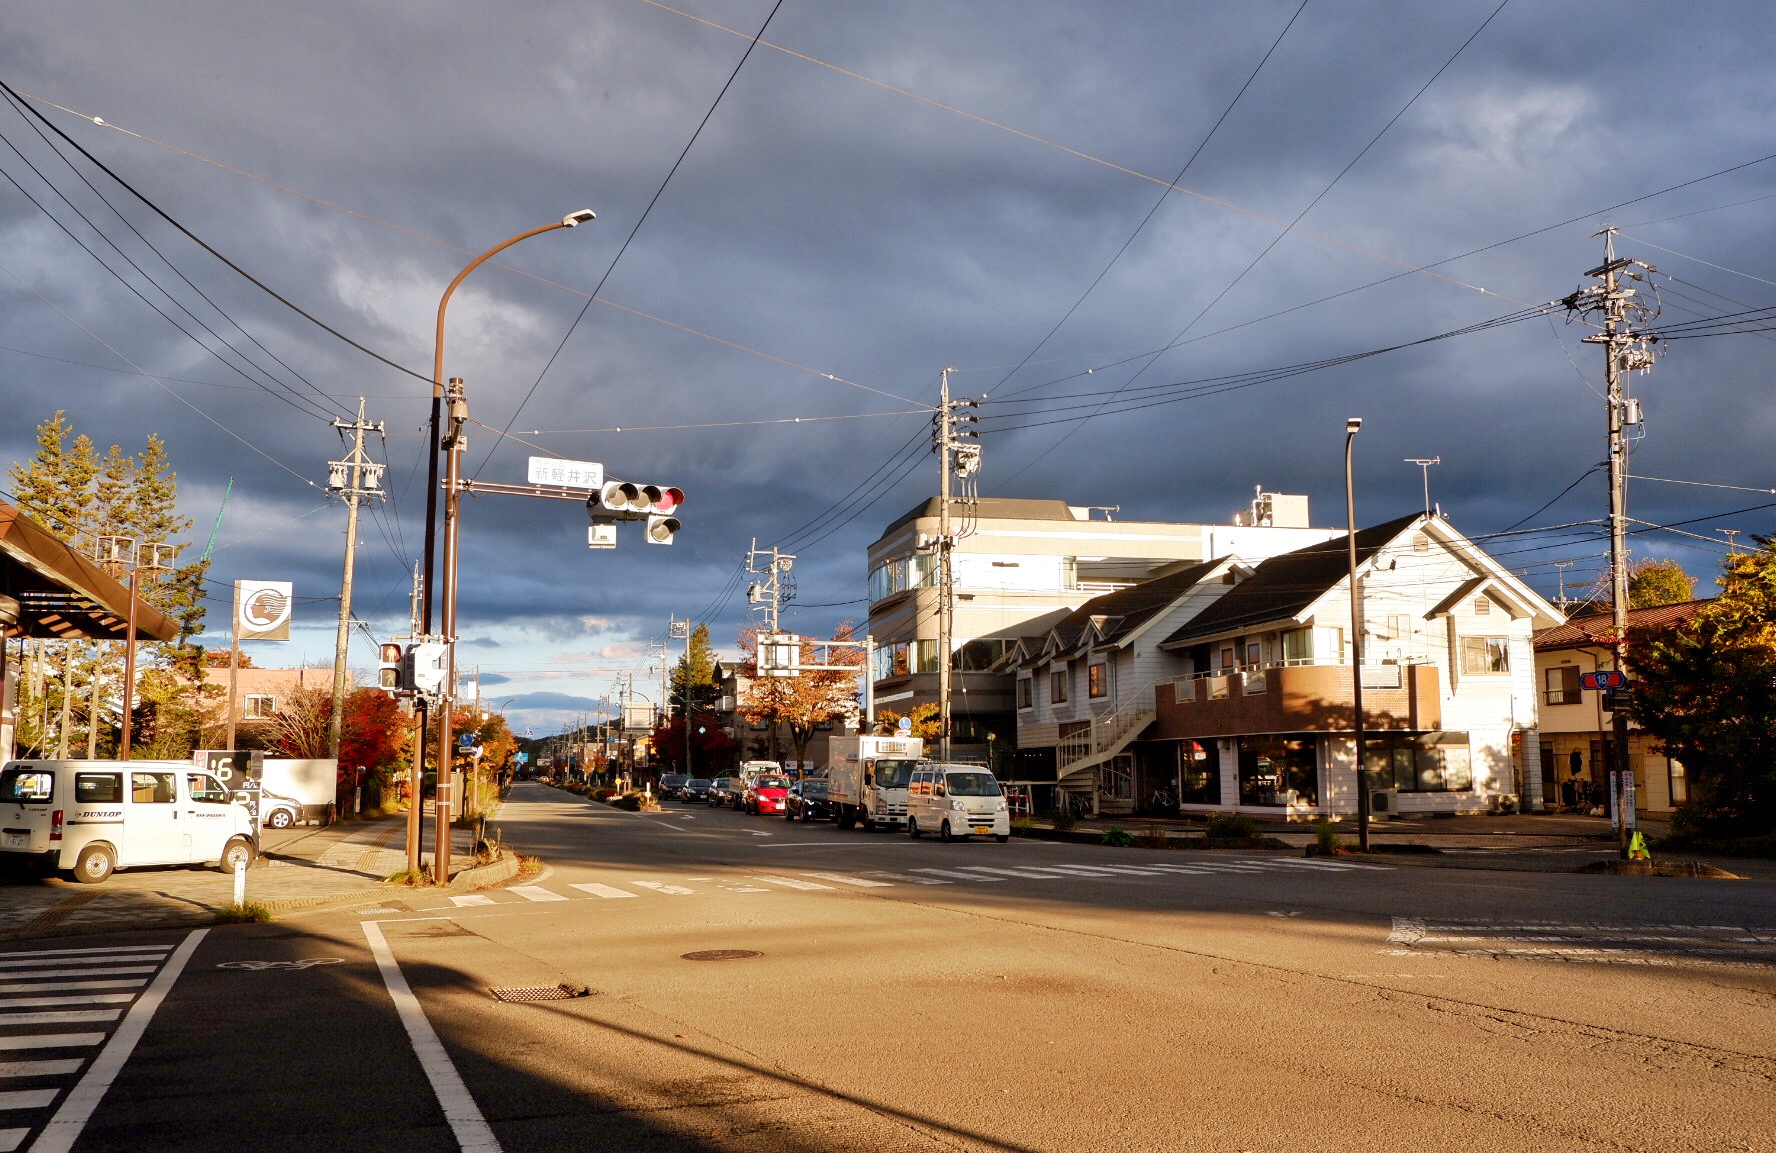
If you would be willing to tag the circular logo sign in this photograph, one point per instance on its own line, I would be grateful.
(264, 606)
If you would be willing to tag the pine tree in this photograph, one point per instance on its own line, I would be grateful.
(697, 670)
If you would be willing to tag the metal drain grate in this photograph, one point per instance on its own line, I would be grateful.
(541, 993)
(721, 955)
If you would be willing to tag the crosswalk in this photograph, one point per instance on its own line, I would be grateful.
(829, 881)
(57, 1008)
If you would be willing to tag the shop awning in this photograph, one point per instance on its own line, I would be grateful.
(47, 590)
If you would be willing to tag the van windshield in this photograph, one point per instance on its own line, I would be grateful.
(972, 785)
(25, 786)
(893, 774)
(767, 781)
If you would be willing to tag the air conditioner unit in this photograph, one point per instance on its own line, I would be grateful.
(1384, 804)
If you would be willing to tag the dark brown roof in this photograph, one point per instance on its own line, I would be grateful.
(1599, 628)
(1126, 610)
(1281, 587)
(62, 594)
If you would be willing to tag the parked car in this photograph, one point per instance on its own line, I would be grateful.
(765, 793)
(695, 789)
(807, 801)
(670, 783)
(725, 792)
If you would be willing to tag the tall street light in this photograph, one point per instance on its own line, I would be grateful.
(1350, 515)
(452, 499)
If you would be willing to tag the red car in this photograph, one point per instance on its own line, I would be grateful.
(766, 793)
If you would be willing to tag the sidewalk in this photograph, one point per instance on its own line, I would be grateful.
(303, 867)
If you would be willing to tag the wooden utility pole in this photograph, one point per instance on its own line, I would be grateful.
(355, 478)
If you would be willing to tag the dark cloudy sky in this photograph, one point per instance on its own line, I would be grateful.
(883, 190)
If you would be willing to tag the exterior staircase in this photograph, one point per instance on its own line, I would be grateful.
(1109, 734)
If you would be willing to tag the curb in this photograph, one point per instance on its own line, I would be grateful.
(481, 876)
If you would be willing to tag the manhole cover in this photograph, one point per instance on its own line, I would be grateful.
(722, 955)
(541, 993)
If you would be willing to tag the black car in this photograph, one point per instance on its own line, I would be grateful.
(726, 792)
(671, 783)
(807, 801)
(696, 790)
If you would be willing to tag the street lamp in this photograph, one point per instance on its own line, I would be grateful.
(1350, 514)
(452, 499)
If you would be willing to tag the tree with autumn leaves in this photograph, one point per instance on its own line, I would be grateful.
(800, 704)
(1706, 689)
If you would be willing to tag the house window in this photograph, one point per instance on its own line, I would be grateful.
(1563, 685)
(1298, 646)
(1482, 655)
(1254, 654)
(259, 706)
(1680, 784)
(1399, 627)
(1026, 695)
(1097, 680)
(1278, 771)
(1057, 688)
(1482, 606)
(1227, 661)
(1421, 542)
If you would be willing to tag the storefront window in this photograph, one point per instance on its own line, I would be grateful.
(1199, 772)
(1278, 771)
(1419, 762)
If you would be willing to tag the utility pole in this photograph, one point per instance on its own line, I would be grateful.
(675, 629)
(416, 771)
(1563, 565)
(960, 451)
(1624, 350)
(777, 586)
(355, 478)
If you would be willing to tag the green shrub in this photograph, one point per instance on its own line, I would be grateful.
(1232, 827)
(1326, 837)
(636, 803)
(1117, 838)
(1064, 820)
(247, 913)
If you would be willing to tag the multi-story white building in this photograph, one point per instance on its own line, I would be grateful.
(1021, 565)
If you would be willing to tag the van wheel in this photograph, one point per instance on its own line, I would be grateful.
(280, 819)
(94, 864)
(944, 834)
(1002, 837)
(912, 828)
(237, 854)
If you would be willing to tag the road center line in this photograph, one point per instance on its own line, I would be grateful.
(473, 1134)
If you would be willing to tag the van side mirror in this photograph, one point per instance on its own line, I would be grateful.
(938, 789)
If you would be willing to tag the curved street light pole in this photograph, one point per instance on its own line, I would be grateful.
(1350, 513)
(452, 498)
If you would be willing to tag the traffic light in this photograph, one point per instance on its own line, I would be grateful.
(389, 676)
(660, 528)
(625, 500)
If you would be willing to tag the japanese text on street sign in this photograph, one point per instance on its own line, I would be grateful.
(588, 474)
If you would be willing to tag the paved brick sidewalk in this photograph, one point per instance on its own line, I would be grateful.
(301, 867)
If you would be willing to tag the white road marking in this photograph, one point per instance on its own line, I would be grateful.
(663, 887)
(459, 901)
(77, 1107)
(51, 1041)
(962, 876)
(473, 1134)
(908, 877)
(74, 1017)
(858, 882)
(536, 893)
(65, 986)
(39, 1068)
(27, 1098)
(121, 970)
(79, 999)
(1030, 873)
(11, 1139)
(602, 890)
(792, 883)
(106, 958)
(157, 950)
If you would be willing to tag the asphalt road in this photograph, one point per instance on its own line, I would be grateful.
(922, 996)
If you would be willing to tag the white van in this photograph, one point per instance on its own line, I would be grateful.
(955, 801)
(89, 817)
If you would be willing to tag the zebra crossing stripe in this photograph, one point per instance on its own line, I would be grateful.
(792, 883)
(908, 878)
(51, 1041)
(106, 954)
(663, 887)
(119, 971)
(11, 1139)
(72, 1017)
(39, 1068)
(536, 893)
(603, 890)
(1112, 870)
(961, 876)
(471, 899)
(78, 999)
(858, 882)
(71, 986)
(27, 1098)
(1030, 873)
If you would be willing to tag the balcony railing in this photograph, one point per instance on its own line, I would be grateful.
(1292, 695)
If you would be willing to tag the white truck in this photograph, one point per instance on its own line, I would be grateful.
(867, 779)
(291, 791)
